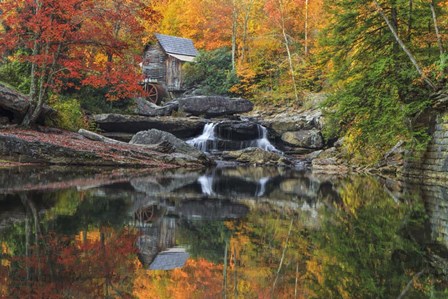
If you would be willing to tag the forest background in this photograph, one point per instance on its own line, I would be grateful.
(379, 62)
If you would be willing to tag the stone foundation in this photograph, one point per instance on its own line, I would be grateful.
(430, 170)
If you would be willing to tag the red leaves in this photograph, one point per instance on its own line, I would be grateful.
(91, 41)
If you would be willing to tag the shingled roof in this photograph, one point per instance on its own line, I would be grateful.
(177, 45)
(170, 259)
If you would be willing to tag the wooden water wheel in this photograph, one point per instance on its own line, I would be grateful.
(145, 214)
(155, 92)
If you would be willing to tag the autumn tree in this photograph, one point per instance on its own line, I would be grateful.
(63, 42)
(111, 59)
(385, 61)
(43, 29)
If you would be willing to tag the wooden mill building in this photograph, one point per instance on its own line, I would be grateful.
(162, 65)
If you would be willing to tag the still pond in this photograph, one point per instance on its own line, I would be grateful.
(226, 232)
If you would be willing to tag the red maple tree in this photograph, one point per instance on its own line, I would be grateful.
(66, 40)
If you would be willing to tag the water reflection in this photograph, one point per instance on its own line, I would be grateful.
(238, 232)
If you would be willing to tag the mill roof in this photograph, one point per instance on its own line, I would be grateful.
(177, 45)
(170, 259)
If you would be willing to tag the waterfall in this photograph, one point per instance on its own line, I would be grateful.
(201, 142)
(209, 141)
(264, 142)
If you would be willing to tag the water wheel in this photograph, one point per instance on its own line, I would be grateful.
(145, 214)
(155, 92)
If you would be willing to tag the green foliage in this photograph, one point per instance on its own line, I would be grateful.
(206, 239)
(70, 116)
(363, 247)
(376, 88)
(16, 74)
(211, 73)
(93, 100)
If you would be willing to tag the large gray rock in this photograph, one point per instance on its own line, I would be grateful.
(181, 127)
(214, 105)
(289, 121)
(146, 108)
(257, 156)
(14, 106)
(305, 139)
(157, 137)
(330, 165)
(238, 130)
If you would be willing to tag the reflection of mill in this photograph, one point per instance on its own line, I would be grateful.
(157, 221)
(157, 241)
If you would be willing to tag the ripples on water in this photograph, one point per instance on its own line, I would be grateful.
(227, 232)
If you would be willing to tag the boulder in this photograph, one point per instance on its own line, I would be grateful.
(157, 137)
(238, 130)
(212, 106)
(181, 127)
(14, 106)
(257, 156)
(146, 108)
(331, 165)
(286, 122)
(304, 138)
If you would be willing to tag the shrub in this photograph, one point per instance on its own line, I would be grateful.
(16, 74)
(70, 116)
(212, 72)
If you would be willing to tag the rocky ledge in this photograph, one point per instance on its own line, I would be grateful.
(57, 147)
(257, 156)
(181, 127)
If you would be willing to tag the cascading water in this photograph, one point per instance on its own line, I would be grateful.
(202, 141)
(208, 141)
(264, 142)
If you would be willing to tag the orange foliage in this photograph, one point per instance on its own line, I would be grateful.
(99, 265)
(197, 279)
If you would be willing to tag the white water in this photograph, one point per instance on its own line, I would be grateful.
(264, 142)
(208, 142)
(206, 184)
(261, 188)
(200, 142)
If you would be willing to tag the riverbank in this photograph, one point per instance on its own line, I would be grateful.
(48, 146)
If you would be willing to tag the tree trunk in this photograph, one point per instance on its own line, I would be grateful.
(245, 25)
(306, 27)
(296, 283)
(282, 259)
(224, 272)
(436, 28)
(33, 79)
(403, 46)
(235, 276)
(234, 20)
(285, 38)
(411, 4)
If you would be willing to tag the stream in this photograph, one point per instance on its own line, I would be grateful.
(225, 232)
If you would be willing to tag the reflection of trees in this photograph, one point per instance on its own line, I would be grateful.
(206, 239)
(363, 249)
(39, 262)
